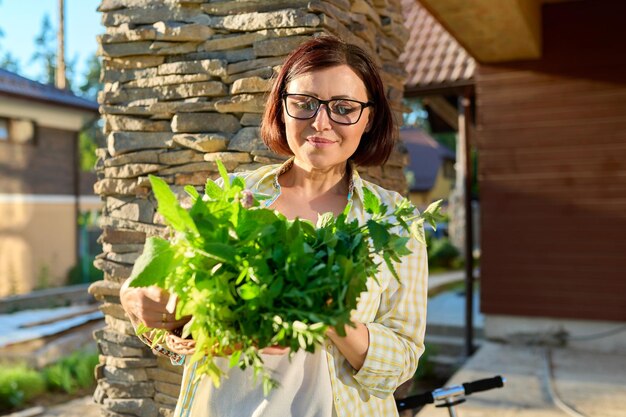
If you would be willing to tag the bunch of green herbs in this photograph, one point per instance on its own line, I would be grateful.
(251, 278)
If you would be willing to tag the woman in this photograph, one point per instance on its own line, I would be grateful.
(328, 111)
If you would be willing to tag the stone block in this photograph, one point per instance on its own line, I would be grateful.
(251, 119)
(123, 142)
(131, 170)
(142, 407)
(226, 157)
(123, 49)
(125, 374)
(123, 258)
(166, 411)
(111, 349)
(197, 178)
(127, 390)
(213, 67)
(251, 85)
(143, 157)
(247, 22)
(148, 15)
(110, 186)
(134, 124)
(132, 62)
(203, 142)
(180, 157)
(205, 122)
(175, 31)
(120, 326)
(122, 247)
(173, 48)
(246, 140)
(124, 33)
(278, 46)
(121, 339)
(114, 236)
(244, 66)
(173, 390)
(167, 80)
(102, 288)
(197, 166)
(115, 270)
(165, 399)
(242, 103)
(113, 310)
(115, 362)
(230, 8)
(162, 375)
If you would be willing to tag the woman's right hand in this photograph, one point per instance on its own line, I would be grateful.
(148, 305)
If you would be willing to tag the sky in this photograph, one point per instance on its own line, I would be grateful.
(20, 20)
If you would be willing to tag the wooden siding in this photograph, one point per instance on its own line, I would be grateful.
(552, 170)
(43, 167)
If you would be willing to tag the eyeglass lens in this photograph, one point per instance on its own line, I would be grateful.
(342, 111)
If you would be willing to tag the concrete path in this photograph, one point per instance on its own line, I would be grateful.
(538, 379)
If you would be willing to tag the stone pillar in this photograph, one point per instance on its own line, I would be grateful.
(185, 84)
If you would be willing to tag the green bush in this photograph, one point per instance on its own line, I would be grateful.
(442, 253)
(19, 384)
(71, 373)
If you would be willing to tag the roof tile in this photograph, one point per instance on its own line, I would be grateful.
(432, 57)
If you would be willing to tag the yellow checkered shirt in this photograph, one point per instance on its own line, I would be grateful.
(394, 313)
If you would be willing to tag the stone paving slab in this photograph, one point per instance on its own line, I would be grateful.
(81, 407)
(593, 384)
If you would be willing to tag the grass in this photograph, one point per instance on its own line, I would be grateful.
(22, 386)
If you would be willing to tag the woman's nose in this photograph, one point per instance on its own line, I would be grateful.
(321, 121)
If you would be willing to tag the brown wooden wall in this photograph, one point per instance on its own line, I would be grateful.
(552, 170)
(43, 167)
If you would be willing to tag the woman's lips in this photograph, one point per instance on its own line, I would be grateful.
(319, 142)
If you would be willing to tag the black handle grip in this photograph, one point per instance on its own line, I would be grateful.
(414, 401)
(483, 384)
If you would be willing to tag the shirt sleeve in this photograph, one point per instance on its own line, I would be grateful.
(396, 336)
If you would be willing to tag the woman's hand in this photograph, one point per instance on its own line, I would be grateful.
(149, 306)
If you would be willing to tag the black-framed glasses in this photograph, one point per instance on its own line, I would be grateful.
(340, 110)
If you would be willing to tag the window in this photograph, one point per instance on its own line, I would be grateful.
(4, 130)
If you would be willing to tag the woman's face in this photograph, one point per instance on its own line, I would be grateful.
(319, 142)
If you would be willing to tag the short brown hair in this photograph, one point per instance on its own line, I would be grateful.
(325, 52)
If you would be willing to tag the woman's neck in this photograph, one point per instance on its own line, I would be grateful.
(311, 182)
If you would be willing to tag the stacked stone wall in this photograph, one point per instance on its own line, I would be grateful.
(185, 83)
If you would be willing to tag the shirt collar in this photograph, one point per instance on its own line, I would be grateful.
(355, 186)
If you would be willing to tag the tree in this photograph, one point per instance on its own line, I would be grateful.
(7, 60)
(45, 51)
(10, 63)
(90, 87)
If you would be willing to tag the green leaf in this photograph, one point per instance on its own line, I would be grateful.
(220, 252)
(417, 231)
(176, 216)
(154, 264)
(371, 203)
(249, 291)
(432, 214)
(234, 358)
(224, 174)
(378, 233)
(192, 192)
(212, 190)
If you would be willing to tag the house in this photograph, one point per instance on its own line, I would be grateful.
(41, 188)
(550, 110)
(431, 167)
